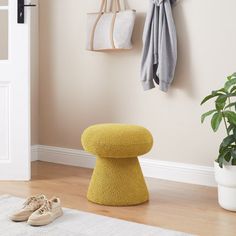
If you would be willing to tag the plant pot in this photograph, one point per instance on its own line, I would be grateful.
(226, 180)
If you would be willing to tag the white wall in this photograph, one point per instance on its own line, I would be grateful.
(79, 88)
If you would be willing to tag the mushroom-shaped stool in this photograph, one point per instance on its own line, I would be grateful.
(117, 179)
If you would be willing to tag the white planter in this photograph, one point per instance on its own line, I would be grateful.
(226, 180)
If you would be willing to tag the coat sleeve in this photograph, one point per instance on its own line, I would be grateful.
(147, 53)
(168, 47)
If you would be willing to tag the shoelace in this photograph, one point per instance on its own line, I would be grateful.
(29, 201)
(32, 202)
(47, 206)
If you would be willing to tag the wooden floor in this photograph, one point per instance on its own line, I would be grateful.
(188, 208)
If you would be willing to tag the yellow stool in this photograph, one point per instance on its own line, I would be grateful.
(117, 178)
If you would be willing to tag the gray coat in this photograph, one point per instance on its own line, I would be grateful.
(159, 54)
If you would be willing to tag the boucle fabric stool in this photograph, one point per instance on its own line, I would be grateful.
(117, 179)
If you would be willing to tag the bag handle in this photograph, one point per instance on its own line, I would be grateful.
(103, 6)
(117, 5)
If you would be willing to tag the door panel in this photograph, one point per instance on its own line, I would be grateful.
(3, 2)
(4, 34)
(4, 121)
(14, 93)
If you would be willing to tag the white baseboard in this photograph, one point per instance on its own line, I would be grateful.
(178, 172)
(173, 171)
(65, 156)
(34, 153)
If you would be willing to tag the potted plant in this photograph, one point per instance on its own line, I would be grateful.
(225, 165)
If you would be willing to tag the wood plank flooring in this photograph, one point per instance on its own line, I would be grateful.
(183, 207)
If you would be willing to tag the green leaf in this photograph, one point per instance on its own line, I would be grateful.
(234, 161)
(233, 89)
(227, 141)
(233, 75)
(220, 102)
(231, 116)
(231, 126)
(219, 91)
(216, 120)
(231, 95)
(230, 83)
(207, 114)
(227, 156)
(231, 105)
(221, 161)
(210, 97)
(233, 153)
(223, 150)
(234, 133)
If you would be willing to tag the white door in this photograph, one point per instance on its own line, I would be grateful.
(14, 93)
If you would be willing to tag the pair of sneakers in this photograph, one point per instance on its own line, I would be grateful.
(38, 211)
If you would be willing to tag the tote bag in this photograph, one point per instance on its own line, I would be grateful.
(110, 29)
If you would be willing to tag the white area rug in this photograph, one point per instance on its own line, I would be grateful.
(74, 223)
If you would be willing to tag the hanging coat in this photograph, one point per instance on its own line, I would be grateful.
(159, 54)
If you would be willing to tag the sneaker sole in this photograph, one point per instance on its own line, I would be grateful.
(42, 223)
(15, 219)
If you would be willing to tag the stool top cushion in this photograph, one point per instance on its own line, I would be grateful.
(117, 140)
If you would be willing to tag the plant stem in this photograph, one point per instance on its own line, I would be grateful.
(225, 124)
(229, 100)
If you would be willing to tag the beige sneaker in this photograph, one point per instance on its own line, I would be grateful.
(32, 204)
(47, 213)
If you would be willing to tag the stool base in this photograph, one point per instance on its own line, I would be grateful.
(117, 182)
